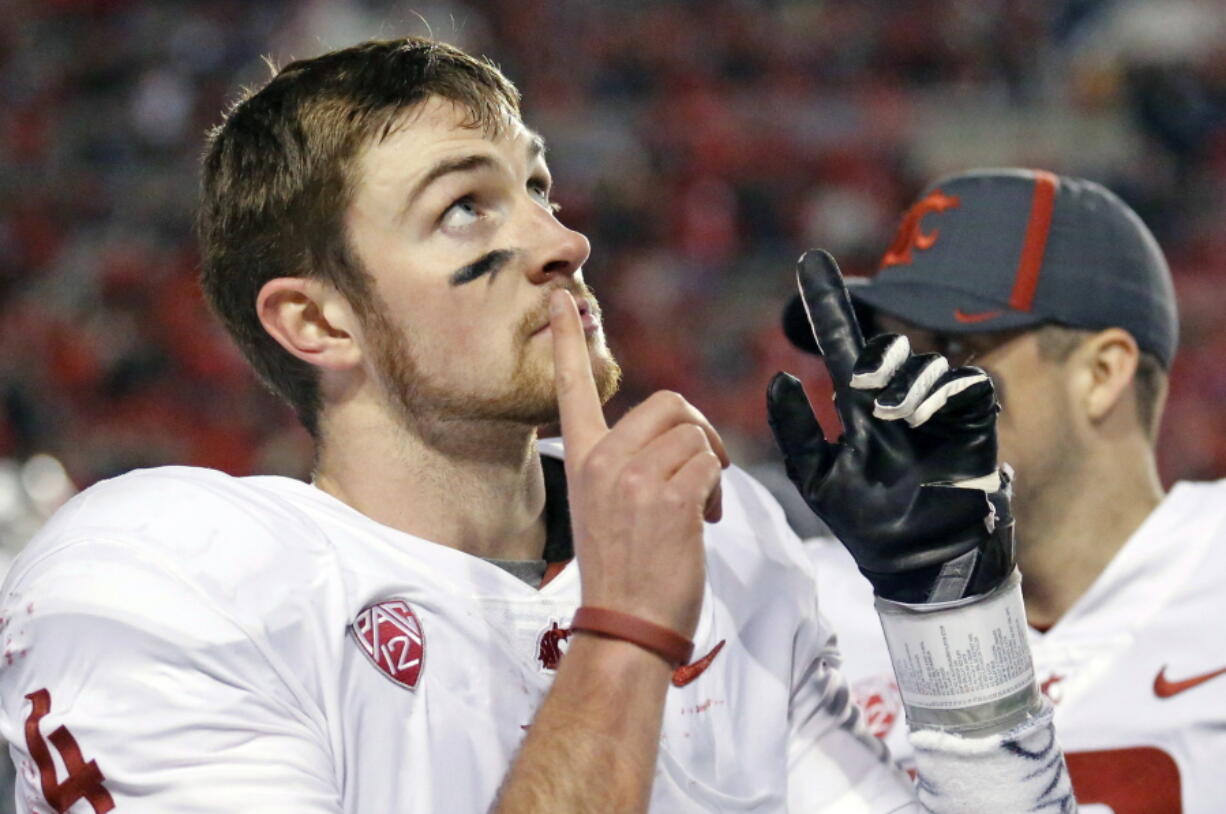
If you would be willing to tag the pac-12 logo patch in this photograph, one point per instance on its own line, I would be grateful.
(391, 637)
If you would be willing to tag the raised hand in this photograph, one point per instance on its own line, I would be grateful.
(639, 492)
(911, 487)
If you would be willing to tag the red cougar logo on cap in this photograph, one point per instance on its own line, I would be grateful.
(910, 236)
(391, 637)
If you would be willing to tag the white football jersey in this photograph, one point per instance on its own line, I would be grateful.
(178, 640)
(1136, 668)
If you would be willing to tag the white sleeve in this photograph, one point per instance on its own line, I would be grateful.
(834, 763)
(123, 687)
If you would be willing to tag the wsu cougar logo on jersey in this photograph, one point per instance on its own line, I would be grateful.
(391, 637)
(550, 646)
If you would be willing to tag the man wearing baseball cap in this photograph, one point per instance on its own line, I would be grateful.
(1058, 290)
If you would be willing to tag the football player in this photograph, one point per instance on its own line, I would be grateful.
(452, 616)
(1058, 290)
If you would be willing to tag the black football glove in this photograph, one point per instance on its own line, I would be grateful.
(911, 488)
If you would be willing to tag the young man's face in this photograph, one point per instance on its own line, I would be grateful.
(456, 228)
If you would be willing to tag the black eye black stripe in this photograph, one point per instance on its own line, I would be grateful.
(486, 264)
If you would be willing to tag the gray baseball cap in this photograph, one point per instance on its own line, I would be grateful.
(997, 249)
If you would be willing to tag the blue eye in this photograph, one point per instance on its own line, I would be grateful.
(541, 191)
(460, 214)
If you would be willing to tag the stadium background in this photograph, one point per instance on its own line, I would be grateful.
(701, 146)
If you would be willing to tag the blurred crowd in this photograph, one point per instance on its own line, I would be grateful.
(701, 145)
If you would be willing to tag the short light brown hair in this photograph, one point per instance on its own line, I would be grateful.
(278, 177)
(1057, 343)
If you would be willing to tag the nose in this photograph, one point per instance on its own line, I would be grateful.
(560, 250)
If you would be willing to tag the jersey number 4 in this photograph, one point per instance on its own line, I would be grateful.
(84, 780)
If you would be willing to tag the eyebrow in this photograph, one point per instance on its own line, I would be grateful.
(536, 148)
(448, 166)
(465, 163)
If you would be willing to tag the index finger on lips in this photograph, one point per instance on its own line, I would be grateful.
(830, 313)
(579, 407)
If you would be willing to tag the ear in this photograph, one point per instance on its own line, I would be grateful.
(1110, 360)
(311, 320)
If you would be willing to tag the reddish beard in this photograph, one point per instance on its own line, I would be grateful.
(529, 399)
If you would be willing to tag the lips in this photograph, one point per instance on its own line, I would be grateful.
(588, 316)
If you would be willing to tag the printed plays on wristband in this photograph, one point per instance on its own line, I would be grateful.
(667, 644)
(964, 664)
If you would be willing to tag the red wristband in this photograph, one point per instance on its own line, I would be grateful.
(667, 644)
